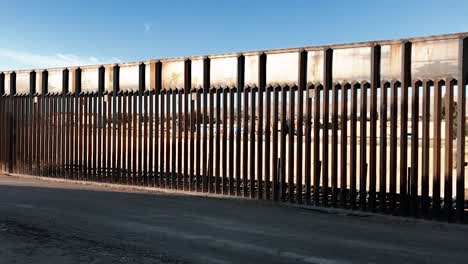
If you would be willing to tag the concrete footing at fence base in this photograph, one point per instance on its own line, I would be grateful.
(132, 188)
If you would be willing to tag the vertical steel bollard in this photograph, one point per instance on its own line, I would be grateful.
(461, 121)
(363, 148)
(158, 123)
(302, 83)
(405, 84)
(262, 64)
(375, 83)
(328, 79)
(436, 173)
(239, 91)
(187, 124)
(275, 158)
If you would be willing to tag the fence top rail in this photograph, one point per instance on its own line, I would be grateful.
(351, 45)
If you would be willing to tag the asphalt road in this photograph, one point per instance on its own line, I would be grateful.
(50, 222)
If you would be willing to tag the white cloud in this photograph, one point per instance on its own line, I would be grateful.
(24, 59)
(147, 27)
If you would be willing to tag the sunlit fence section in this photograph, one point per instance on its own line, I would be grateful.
(376, 126)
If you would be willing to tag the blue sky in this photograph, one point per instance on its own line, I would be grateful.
(38, 34)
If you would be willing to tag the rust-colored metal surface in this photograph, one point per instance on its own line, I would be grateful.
(376, 126)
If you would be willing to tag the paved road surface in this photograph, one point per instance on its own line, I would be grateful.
(51, 222)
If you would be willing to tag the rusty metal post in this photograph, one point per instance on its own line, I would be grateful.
(252, 161)
(414, 147)
(151, 150)
(67, 141)
(436, 173)
(55, 130)
(99, 122)
(20, 133)
(198, 122)
(135, 143)
(334, 145)
(90, 137)
(245, 145)
(158, 162)
(206, 91)
(105, 152)
(12, 123)
(31, 112)
(129, 114)
(316, 156)
(167, 177)
(292, 130)
(344, 145)
(375, 83)
(139, 117)
(308, 143)
(46, 124)
(3, 133)
(145, 151)
(125, 148)
(95, 135)
(405, 84)
(262, 65)
(211, 155)
(393, 145)
(79, 124)
(17, 133)
(448, 148)
(63, 121)
(3, 129)
(425, 148)
(26, 136)
(239, 91)
(150, 130)
(179, 174)
(175, 92)
(61, 125)
(232, 118)
(284, 132)
(275, 157)
(40, 128)
(302, 86)
(224, 157)
(363, 148)
(2, 84)
(268, 144)
(461, 121)
(85, 150)
(110, 146)
(69, 133)
(193, 112)
(77, 113)
(162, 120)
(144, 127)
(114, 122)
(217, 153)
(328, 79)
(353, 146)
(187, 121)
(383, 147)
(118, 123)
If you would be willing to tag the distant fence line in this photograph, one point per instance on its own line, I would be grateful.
(304, 140)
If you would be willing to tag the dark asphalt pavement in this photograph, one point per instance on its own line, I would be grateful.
(52, 222)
